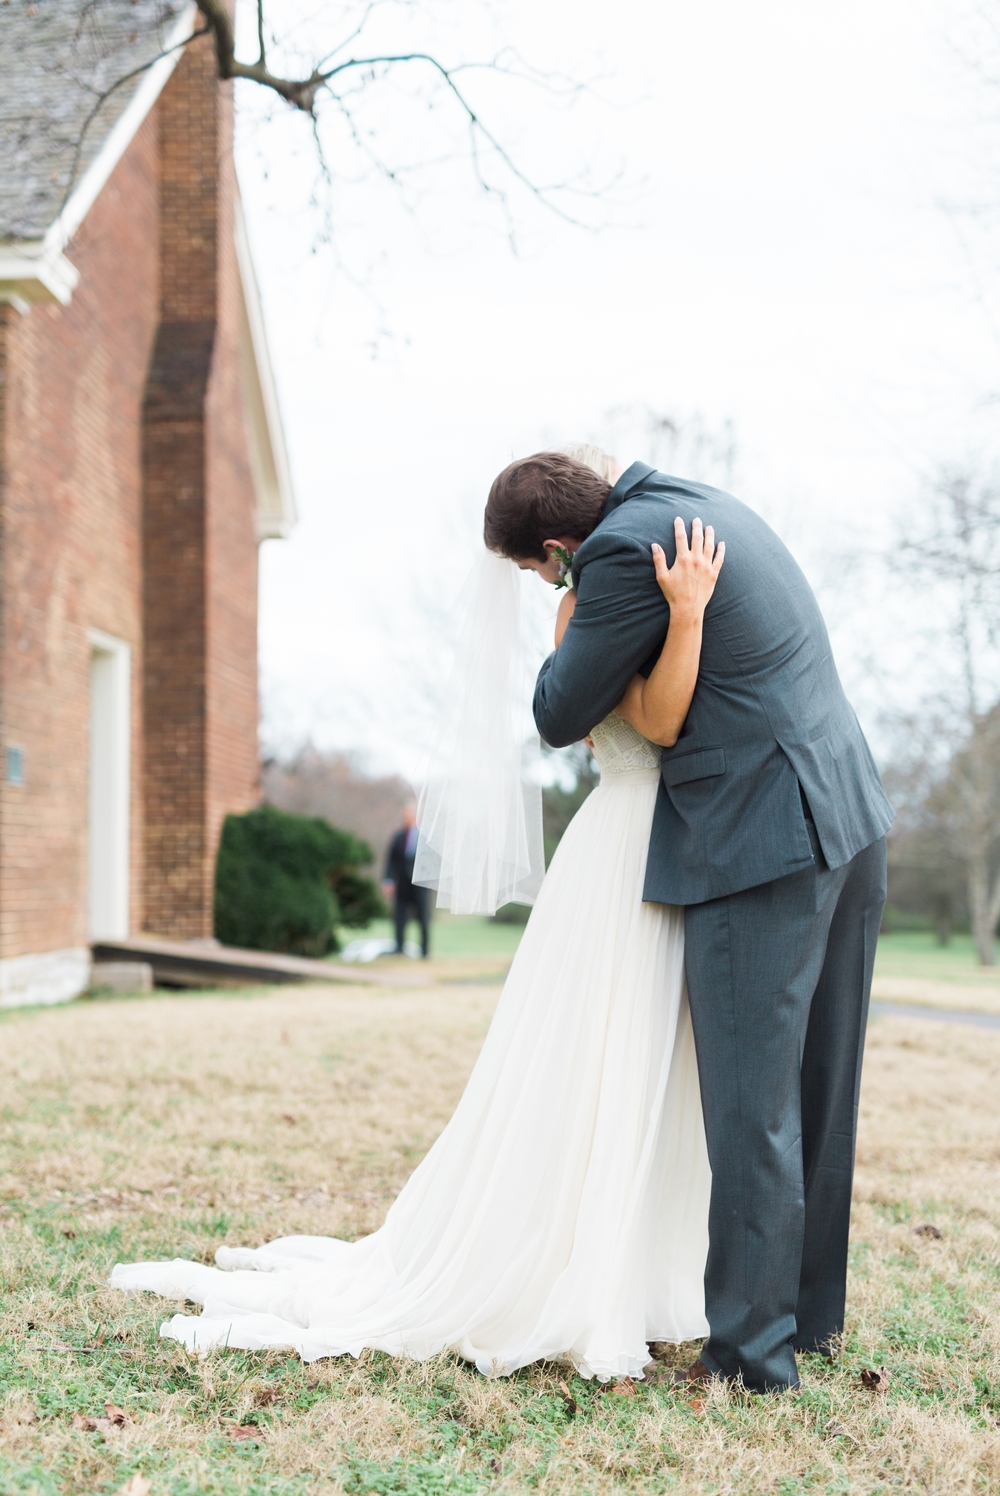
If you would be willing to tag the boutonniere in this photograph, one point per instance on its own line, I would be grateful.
(565, 559)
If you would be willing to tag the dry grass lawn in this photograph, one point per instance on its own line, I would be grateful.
(167, 1125)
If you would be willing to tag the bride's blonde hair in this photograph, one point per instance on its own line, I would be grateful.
(595, 458)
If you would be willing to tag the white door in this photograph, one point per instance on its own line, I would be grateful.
(110, 685)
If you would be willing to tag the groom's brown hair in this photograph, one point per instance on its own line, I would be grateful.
(542, 498)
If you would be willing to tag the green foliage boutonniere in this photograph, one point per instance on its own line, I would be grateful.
(565, 559)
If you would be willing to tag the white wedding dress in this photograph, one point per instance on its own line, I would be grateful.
(563, 1212)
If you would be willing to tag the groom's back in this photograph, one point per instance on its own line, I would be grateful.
(764, 632)
(769, 713)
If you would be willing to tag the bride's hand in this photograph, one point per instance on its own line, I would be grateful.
(565, 613)
(690, 582)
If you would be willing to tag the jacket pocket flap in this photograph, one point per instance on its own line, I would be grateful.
(704, 764)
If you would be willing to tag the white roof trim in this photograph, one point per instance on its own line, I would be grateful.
(274, 510)
(31, 272)
(84, 194)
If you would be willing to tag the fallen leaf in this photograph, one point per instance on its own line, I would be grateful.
(287, 1117)
(696, 1404)
(113, 1419)
(496, 1466)
(26, 1414)
(264, 1396)
(71, 1235)
(836, 1430)
(875, 1381)
(137, 1486)
(624, 1388)
(927, 1229)
(243, 1431)
(572, 1406)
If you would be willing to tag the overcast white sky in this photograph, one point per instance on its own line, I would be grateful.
(786, 262)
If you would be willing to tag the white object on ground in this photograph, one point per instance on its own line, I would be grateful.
(366, 949)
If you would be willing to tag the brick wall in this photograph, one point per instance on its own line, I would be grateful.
(71, 506)
(126, 506)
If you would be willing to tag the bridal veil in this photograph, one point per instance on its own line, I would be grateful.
(480, 808)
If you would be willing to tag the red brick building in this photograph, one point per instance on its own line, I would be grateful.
(142, 463)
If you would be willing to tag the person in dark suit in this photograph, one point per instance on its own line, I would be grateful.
(398, 885)
(769, 829)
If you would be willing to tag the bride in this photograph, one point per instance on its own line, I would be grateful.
(562, 1214)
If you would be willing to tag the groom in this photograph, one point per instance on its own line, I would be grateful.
(770, 828)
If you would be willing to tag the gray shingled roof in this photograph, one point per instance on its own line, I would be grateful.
(56, 58)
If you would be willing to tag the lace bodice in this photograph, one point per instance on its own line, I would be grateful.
(618, 748)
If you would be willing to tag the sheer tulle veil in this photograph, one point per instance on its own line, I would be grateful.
(480, 808)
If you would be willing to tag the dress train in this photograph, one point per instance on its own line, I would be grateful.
(562, 1214)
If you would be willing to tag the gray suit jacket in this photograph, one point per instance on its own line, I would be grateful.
(769, 713)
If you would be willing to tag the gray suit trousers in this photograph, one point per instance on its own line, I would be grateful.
(779, 979)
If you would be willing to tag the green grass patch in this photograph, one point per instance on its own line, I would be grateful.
(97, 1165)
(900, 954)
(917, 953)
(452, 934)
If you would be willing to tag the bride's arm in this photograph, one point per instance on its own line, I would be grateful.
(567, 605)
(657, 706)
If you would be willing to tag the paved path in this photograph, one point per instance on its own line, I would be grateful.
(942, 1015)
(978, 994)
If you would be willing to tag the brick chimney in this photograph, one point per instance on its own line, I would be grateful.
(199, 547)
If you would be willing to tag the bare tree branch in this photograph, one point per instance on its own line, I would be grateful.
(260, 32)
(342, 76)
(353, 35)
(301, 93)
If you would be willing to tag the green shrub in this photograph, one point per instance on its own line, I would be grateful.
(284, 882)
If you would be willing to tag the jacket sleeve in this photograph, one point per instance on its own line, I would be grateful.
(618, 628)
(391, 869)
